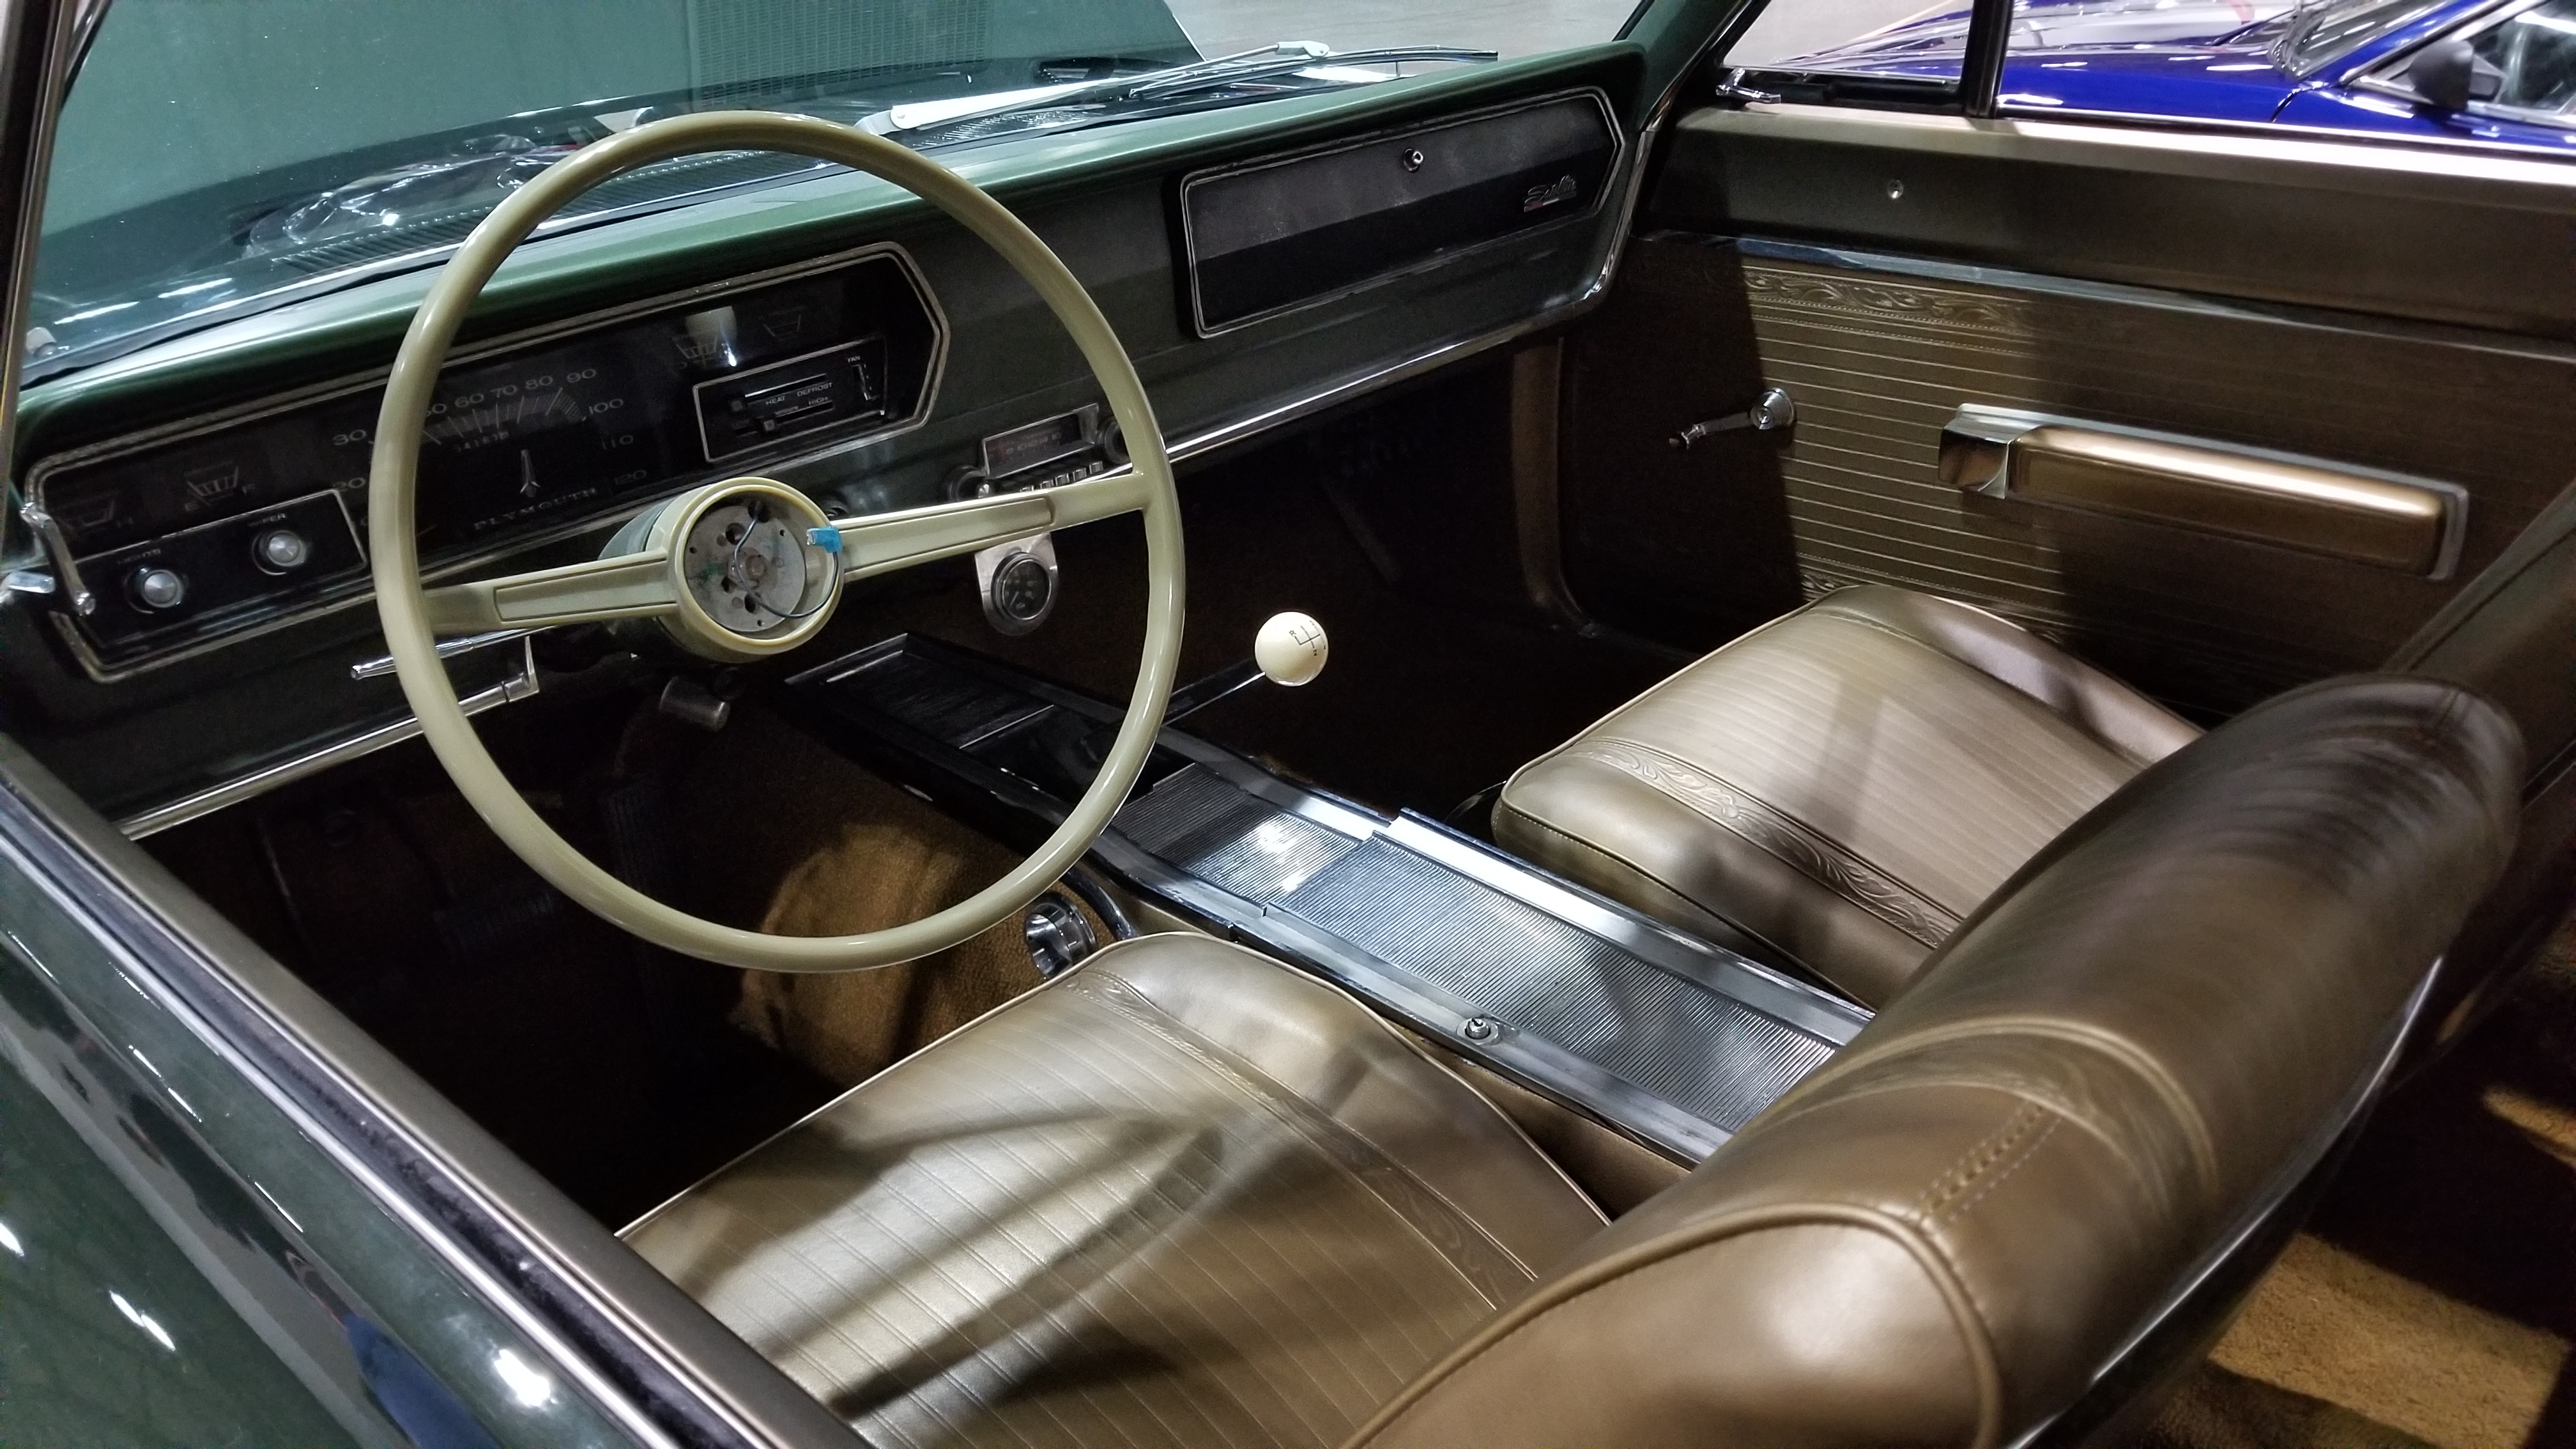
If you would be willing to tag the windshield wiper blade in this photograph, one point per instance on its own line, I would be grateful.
(1287, 58)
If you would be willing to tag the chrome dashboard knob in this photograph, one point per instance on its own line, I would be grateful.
(280, 551)
(155, 589)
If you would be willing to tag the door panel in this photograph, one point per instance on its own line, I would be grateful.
(1881, 348)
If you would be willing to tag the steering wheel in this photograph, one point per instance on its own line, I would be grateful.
(785, 562)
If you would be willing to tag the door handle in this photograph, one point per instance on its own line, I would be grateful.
(2361, 515)
(1773, 410)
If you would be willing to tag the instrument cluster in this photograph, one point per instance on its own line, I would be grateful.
(173, 541)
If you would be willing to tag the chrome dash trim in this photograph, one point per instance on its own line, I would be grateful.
(383, 664)
(519, 686)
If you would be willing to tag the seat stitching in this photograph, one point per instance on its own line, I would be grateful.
(1660, 685)
(1961, 1174)
(2184, 1113)
(2028, 1151)
(1944, 1273)
(1781, 835)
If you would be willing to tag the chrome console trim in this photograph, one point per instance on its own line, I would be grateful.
(1737, 976)
(357, 591)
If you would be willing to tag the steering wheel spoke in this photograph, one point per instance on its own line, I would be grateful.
(630, 586)
(884, 542)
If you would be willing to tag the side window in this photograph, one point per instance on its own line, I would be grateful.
(2535, 52)
(1898, 40)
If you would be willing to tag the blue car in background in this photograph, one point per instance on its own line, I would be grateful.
(2459, 70)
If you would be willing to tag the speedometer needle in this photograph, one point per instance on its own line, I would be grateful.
(527, 475)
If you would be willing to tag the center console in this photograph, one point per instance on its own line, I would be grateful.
(1668, 1039)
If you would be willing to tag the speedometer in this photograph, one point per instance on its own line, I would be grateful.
(478, 420)
(527, 437)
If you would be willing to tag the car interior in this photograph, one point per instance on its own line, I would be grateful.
(1526, 756)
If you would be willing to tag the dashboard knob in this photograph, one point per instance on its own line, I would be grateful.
(156, 589)
(1291, 648)
(280, 550)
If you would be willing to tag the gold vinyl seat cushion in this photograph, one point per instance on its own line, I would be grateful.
(1845, 784)
(1178, 1196)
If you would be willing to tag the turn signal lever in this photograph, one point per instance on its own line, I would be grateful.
(1290, 649)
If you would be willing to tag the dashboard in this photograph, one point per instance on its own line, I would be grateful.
(200, 506)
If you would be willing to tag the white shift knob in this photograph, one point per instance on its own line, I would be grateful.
(1291, 648)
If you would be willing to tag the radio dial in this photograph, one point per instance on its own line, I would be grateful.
(281, 551)
(156, 589)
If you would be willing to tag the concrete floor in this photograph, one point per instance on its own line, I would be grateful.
(1513, 27)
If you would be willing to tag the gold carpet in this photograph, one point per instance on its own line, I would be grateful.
(838, 850)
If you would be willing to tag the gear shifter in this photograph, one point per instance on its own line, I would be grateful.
(1289, 649)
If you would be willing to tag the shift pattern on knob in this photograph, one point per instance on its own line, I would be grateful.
(1291, 648)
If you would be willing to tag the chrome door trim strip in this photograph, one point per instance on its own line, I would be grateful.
(1974, 425)
(520, 685)
(648, 1355)
(2433, 175)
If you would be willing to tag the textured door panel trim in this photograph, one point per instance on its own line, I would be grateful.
(1882, 352)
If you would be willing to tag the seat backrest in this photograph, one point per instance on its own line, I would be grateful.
(2132, 1051)
(2511, 636)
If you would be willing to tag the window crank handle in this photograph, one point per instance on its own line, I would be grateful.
(1770, 412)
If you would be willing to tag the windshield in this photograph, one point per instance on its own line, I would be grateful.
(2317, 35)
(220, 156)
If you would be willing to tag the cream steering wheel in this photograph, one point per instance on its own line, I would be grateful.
(646, 574)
